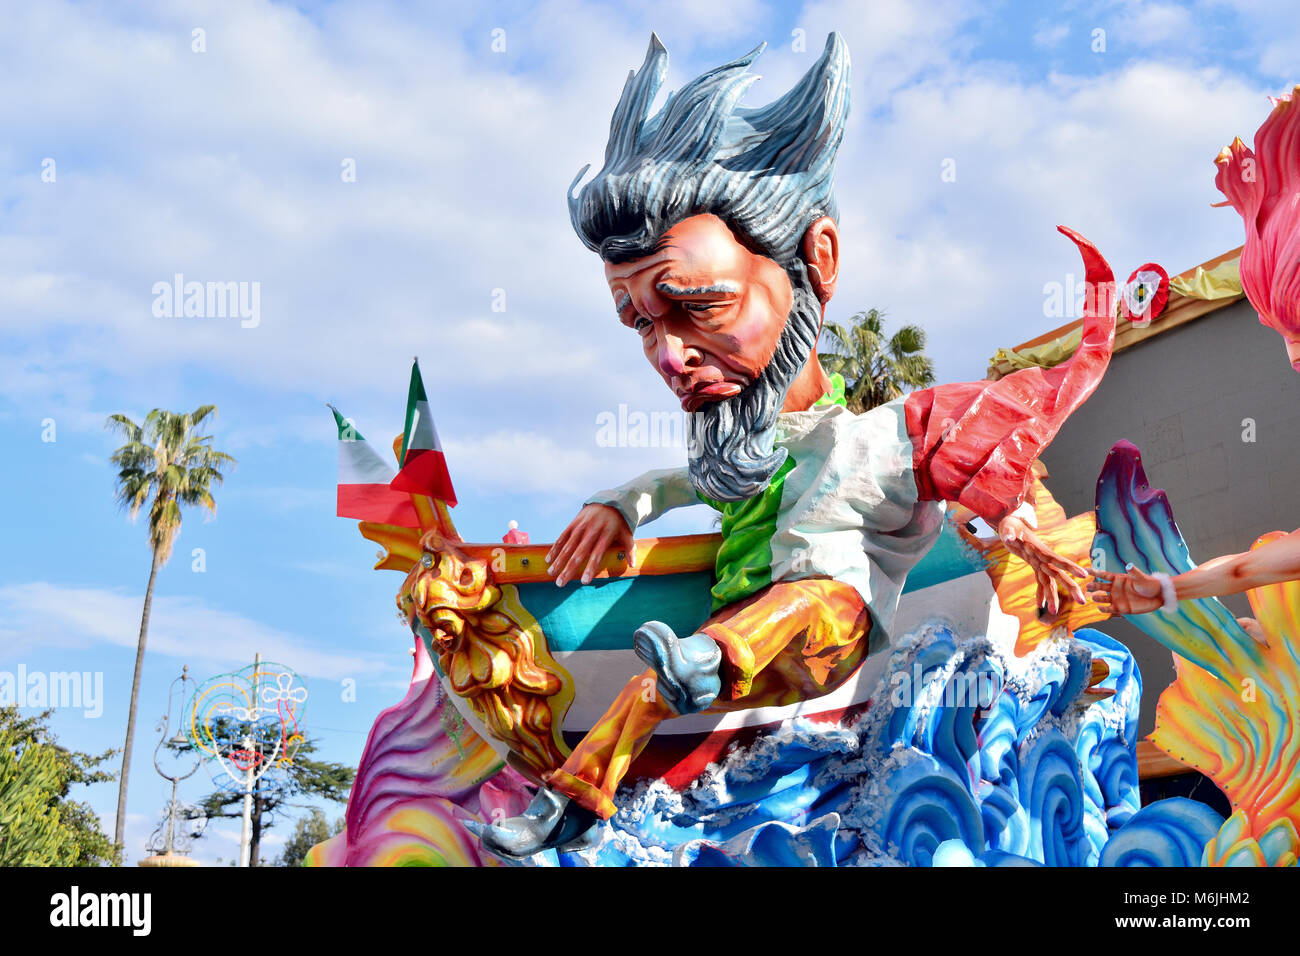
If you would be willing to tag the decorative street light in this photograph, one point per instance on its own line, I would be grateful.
(167, 846)
(245, 723)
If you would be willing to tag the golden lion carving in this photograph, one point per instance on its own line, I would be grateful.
(500, 668)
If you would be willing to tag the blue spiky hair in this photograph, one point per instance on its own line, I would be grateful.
(766, 172)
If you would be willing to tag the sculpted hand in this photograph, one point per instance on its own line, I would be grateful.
(1132, 593)
(581, 545)
(1252, 627)
(1050, 569)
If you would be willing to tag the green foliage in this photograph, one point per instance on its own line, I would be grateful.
(876, 368)
(308, 831)
(165, 460)
(29, 816)
(39, 825)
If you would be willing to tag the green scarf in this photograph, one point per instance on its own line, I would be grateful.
(744, 563)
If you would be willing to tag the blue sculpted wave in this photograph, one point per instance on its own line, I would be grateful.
(1169, 832)
(968, 755)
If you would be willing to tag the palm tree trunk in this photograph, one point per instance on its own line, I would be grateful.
(119, 827)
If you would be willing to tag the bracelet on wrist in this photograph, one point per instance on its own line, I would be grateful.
(1168, 592)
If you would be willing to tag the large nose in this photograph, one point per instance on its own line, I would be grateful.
(671, 354)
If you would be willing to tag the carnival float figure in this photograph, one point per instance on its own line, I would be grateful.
(848, 674)
(717, 230)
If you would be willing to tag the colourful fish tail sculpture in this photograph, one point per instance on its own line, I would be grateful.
(1233, 710)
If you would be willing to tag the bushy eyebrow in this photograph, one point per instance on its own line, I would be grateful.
(667, 288)
(621, 302)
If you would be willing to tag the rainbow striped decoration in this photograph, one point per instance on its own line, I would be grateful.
(422, 773)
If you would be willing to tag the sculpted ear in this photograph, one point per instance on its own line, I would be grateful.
(821, 251)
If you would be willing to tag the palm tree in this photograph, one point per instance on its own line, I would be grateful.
(167, 465)
(876, 369)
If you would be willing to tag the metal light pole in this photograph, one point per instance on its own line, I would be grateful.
(178, 744)
(246, 830)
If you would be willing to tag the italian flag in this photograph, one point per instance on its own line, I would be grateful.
(364, 477)
(424, 467)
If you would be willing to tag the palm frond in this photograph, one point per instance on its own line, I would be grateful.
(197, 416)
(164, 463)
(876, 367)
(124, 424)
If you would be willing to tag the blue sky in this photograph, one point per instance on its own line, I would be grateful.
(225, 165)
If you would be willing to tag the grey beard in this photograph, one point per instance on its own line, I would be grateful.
(730, 443)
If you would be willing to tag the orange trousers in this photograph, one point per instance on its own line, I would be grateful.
(792, 641)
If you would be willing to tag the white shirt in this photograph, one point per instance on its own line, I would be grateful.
(849, 508)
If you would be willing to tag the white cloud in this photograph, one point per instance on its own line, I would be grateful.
(1144, 24)
(1124, 158)
(463, 157)
(41, 614)
(1271, 25)
(1049, 35)
(524, 462)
